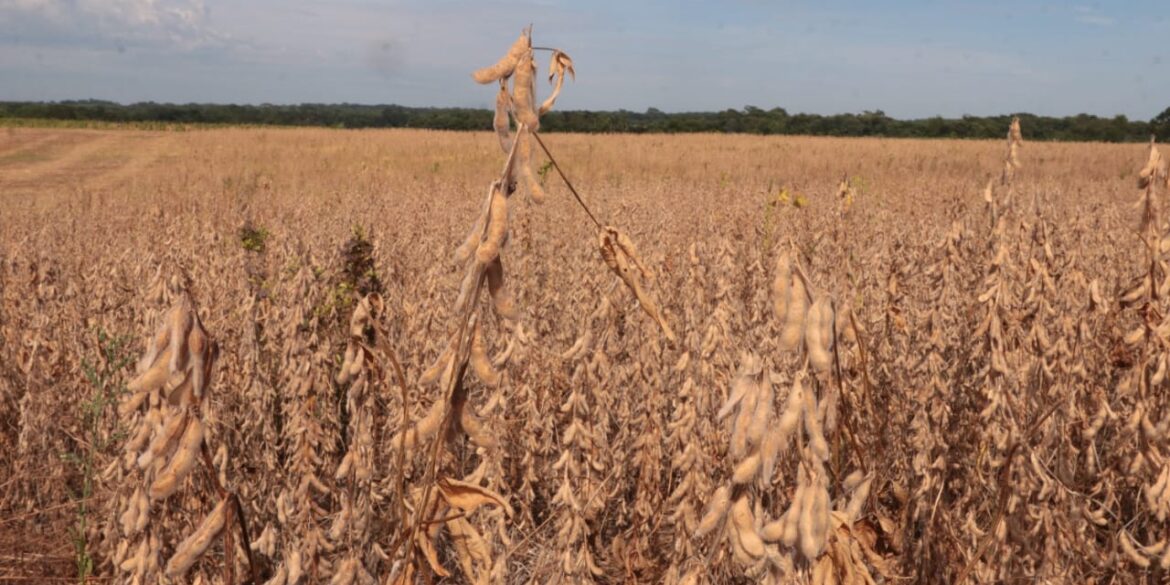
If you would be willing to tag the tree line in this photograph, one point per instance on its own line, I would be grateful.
(749, 120)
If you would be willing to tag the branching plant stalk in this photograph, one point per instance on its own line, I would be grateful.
(462, 355)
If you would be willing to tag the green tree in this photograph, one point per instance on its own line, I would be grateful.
(1160, 125)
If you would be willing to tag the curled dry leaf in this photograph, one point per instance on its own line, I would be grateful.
(469, 497)
(619, 252)
(559, 64)
(471, 550)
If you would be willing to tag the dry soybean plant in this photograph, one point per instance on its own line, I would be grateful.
(809, 537)
(167, 408)
(446, 501)
(1143, 389)
(949, 389)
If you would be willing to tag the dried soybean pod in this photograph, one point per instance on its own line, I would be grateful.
(158, 343)
(743, 523)
(347, 370)
(295, 566)
(738, 552)
(180, 464)
(471, 242)
(627, 246)
(203, 353)
(432, 373)
(843, 324)
(345, 466)
(469, 286)
(524, 92)
(580, 346)
(828, 324)
(762, 414)
(1127, 547)
(423, 429)
(812, 426)
(151, 378)
(500, 120)
(857, 501)
(773, 531)
(743, 417)
(814, 521)
(812, 334)
(1150, 171)
(747, 469)
(852, 480)
(180, 322)
(502, 298)
(475, 430)
(793, 330)
(716, 511)
(497, 227)
(134, 563)
(791, 529)
(195, 545)
(524, 154)
(782, 284)
(503, 357)
(769, 450)
(138, 441)
(507, 64)
(480, 361)
(739, 389)
(818, 346)
(143, 505)
(166, 439)
(129, 517)
(793, 407)
(132, 402)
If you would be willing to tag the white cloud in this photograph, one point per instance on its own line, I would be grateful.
(1091, 15)
(178, 23)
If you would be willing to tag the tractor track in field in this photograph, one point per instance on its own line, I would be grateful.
(76, 160)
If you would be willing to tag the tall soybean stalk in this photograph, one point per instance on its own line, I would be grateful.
(442, 501)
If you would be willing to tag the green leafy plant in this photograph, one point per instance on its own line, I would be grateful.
(358, 271)
(774, 203)
(544, 170)
(104, 377)
(859, 184)
(253, 238)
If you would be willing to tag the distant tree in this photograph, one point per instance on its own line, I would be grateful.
(751, 119)
(1160, 125)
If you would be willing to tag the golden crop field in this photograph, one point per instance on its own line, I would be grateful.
(334, 356)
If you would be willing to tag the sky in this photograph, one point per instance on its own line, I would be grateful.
(908, 58)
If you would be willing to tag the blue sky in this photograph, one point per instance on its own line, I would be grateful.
(913, 58)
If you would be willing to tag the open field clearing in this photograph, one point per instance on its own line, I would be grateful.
(898, 378)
